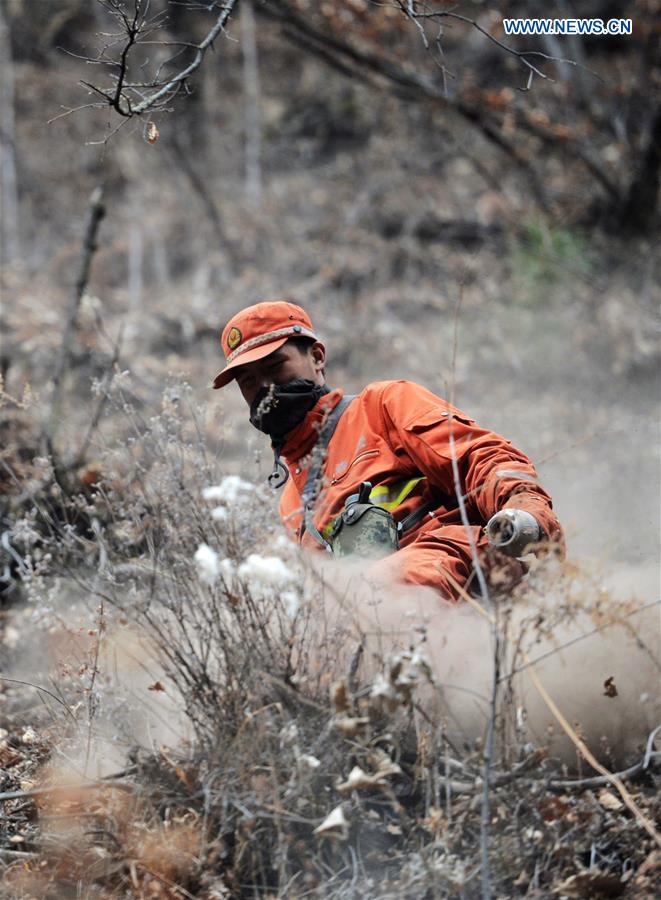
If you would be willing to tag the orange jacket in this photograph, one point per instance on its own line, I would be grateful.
(393, 433)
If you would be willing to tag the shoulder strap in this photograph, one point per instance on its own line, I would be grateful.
(313, 481)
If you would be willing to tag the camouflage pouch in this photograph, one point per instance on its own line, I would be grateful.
(363, 529)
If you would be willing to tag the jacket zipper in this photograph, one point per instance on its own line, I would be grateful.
(361, 456)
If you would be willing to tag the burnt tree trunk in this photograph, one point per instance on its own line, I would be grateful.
(640, 204)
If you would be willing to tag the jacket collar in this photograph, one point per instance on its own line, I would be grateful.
(302, 439)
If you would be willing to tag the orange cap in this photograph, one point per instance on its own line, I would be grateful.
(259, 330)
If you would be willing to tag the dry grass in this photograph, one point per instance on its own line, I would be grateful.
(305, 766)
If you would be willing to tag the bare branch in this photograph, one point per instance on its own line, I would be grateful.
(344, 55)
(77, 786)
(601, 780)
(126, 97)
(522, 55)
(175, 83)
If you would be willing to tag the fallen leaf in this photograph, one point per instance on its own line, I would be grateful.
(610, 801)
(553, 808)
(522, 880)
(359, 780)
(91, 474)
(334, 825)
(591, 884)
(340, 696)
(29, 736)
(652, 864)
(156, 686)
(8, 756)
(609, 687)
(184, 777)
(435, 822)
(349, 726)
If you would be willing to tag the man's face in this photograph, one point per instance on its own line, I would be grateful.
(283, 365)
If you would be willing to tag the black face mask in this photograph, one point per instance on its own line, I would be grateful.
(279, 409)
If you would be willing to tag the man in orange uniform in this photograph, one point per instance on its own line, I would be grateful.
(396, 447)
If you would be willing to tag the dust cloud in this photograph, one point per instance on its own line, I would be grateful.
(128, 706)
(581, 637)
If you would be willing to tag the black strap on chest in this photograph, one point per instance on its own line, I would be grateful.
(313, 480)
(436, 499)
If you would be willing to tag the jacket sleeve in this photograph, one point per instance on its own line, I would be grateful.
(493, 474)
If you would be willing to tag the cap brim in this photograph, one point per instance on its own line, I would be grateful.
(227, 374)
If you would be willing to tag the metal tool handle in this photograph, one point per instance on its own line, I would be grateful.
(512, 531)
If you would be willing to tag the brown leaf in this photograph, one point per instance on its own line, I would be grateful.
(8, 756)
(90, 474)
(609, 687)
(553, 808)
(522, 880)
(340, 696)
(652, 864)
(350, 726)
(610, 801)
(435, 822)
(185, 777)
(591, 884)
(156, 686)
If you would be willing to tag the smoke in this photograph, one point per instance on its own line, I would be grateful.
(597, 656)
(125, 706)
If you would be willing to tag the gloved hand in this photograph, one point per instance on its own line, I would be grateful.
(512, 530)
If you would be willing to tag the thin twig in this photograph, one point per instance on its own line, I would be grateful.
(75, 786)
(521, 55)
(485, 818)
(103, 399)
(600, 780)
(44, 690)
(175, 83)
(17, 854)
(91, 697)
(589, 757)
(576, 640)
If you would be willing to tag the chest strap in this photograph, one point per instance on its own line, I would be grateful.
(313, 480)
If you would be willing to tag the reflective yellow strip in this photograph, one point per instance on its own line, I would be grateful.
(386, 491)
